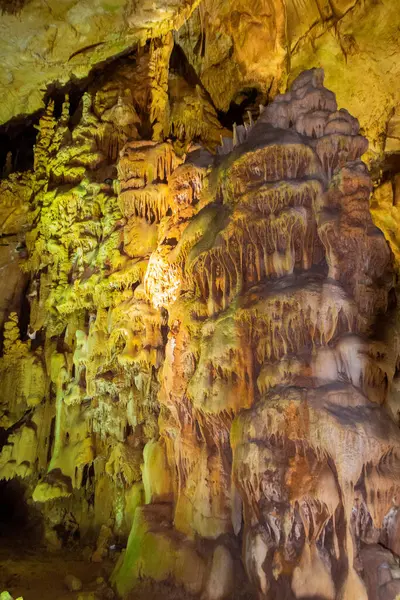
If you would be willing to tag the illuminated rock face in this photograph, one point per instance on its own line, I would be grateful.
(48, 43)
(237, 46)
(234, 46)
(208, 375)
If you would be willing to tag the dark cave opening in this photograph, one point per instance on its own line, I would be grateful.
(18, 136)
(17, 139)
(247, 100)
(385, 168)
(57, 94)
(19, 522)
(25, 314)
(180, 65)
(3, 436)
(12, 7)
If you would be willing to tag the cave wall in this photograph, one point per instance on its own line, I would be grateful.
(201, 340)
(238, 45)
(231, 45)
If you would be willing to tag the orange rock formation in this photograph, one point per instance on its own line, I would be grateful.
(209, 372)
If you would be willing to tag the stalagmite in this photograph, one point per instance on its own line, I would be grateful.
(209, 374)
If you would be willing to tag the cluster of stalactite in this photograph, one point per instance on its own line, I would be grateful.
(203, 375)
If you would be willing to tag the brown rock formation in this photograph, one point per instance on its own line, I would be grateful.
(199, 327)
(205, 375)
(235, 48)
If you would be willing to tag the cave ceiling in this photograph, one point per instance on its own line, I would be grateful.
(231, 45)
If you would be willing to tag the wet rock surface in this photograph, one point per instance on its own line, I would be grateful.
(201, 386)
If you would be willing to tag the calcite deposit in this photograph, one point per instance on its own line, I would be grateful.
(236, 47)
(200, 331)
(203, 374)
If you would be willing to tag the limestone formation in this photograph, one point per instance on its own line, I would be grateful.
(46, 43)
(238, 50)
(246, 50)
(209, 372)
(199, 376)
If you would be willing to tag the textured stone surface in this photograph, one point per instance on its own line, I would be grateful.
(201, 337)
(202, 376)
(49, 42)
(356, 42)
(15, 194)
(72, 583)
(235, 46)
(232, 47)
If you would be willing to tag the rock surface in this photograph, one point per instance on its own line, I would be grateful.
(209, 369)
(72, 583)
(234, 47)
(200, 332)
(46, 42)
(239, 46)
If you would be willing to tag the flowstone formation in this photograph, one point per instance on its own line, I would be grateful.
(208, 375)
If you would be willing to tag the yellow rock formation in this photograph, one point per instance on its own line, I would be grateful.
(200, 332)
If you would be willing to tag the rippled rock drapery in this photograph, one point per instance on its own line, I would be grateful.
(207, 373)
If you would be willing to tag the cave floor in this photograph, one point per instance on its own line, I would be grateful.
(36, 574)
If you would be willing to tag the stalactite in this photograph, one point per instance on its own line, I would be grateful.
(203, 337)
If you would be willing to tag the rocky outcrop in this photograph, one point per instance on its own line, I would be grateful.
(48, 43)
(242, 52)
(236, 47)
(209, 371)
(15, 194)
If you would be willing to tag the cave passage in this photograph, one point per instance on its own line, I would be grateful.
(19, 523)
(248, 100)
(17, 140)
